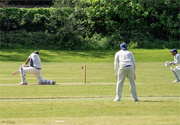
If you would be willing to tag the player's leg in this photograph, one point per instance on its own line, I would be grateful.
(23, 76)
(23, 71)
(132, 83)
(175, 71)
(42, 81)
(48, 82)
(39, 77)
(120, 82)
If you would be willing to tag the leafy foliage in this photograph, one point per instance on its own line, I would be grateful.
(99, 24)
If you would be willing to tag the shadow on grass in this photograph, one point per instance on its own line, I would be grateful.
(13, 55)
(55, 55)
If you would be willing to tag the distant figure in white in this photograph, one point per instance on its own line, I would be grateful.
(176, 70)
(33, 68)
(125, 60)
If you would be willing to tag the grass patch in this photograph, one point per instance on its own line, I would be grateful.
(88, 108)
(96, 111)
(91, 103)
(86, 91)
(154, 73)
(153, 79)
(124, 120)
(141, 55)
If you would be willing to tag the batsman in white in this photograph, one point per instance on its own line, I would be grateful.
(127, 67)
(176, 70)
(33, 68)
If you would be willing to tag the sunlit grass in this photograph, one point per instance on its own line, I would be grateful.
(141, 55)
(72, 102)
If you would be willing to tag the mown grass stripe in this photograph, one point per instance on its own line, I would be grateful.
(85, 98)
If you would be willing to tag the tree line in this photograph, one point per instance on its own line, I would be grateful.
(93, 24)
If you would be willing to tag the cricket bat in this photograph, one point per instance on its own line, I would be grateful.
(15, 72)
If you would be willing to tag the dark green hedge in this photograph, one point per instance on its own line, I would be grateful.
(100, 25)
(29, 2)
(21, 18)
(159, 18)
(39, 40)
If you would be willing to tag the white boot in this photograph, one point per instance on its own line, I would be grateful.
(52, 82)
(23, 83)
(175, 81)
(117, 99)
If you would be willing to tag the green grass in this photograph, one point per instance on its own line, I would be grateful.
(83, 91)
(89, 108)
(92, 111)
(147, 72)
(141, 55)
(76, 103)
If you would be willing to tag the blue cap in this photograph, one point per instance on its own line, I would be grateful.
(123, 46)
(36, 52)
(174, 50)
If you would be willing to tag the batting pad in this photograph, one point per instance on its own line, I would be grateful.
(23, 78)
(46, 82)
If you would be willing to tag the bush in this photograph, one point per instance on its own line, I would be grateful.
(71, 41)
(93, 24)
(20, 18)
(40, 40)
(28, 2)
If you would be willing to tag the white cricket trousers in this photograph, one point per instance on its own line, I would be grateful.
(34, 71)
(176, 73)
(122, 74)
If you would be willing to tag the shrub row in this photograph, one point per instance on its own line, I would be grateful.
(103, 25)
(28, 2)
(70, 41)
(159, 18)
(21, 18)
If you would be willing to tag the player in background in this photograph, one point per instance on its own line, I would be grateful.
(176, 70)
(33, 68)
(127, 67)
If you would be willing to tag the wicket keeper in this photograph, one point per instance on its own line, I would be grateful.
(127, 67)
(176, 70)
(33, 68)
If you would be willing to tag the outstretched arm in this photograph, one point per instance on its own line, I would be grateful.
(27, 61)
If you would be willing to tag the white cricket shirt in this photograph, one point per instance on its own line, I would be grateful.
(35, 61)
(177, 58)
(124, 58)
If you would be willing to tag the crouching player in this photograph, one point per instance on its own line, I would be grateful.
(176, 70)
(33, 68)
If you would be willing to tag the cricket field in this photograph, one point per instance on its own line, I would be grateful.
(71, 102)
